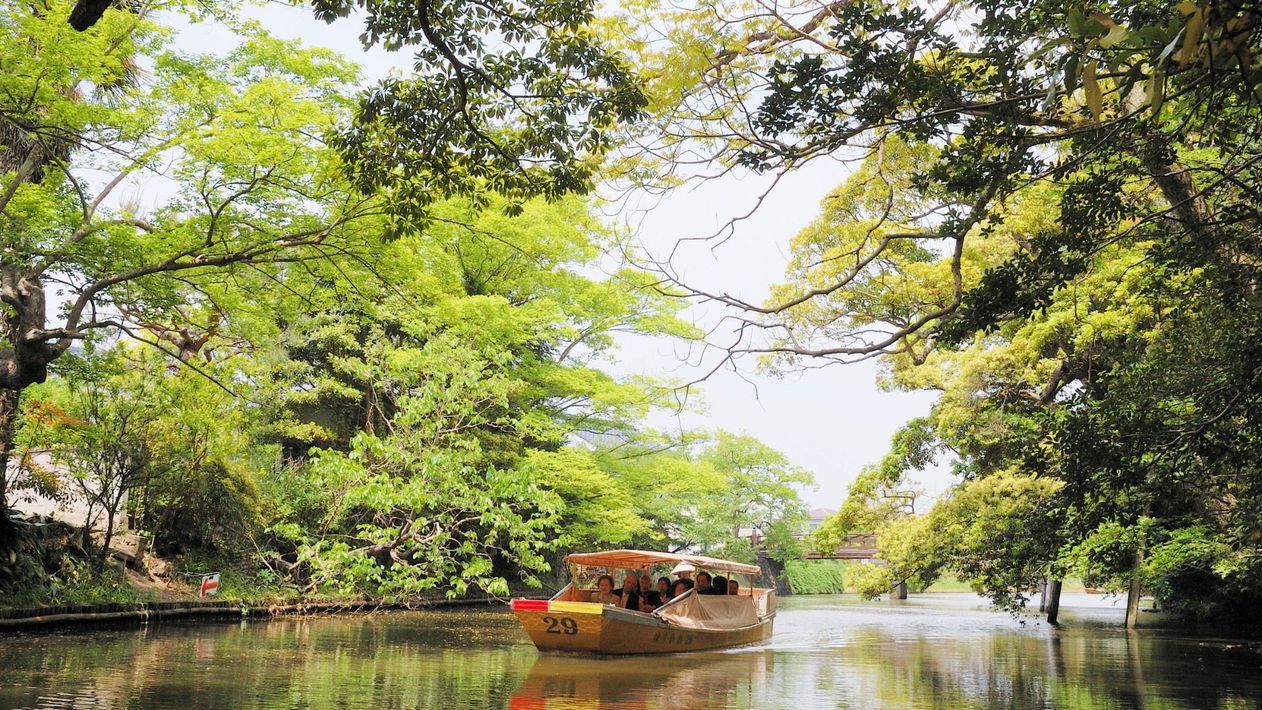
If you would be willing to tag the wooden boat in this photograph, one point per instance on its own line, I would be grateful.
(569, 621)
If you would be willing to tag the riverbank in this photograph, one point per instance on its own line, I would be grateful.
(49, 583)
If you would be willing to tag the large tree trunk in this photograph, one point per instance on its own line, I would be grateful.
(29, 348)
(24, 359)
(9, 399)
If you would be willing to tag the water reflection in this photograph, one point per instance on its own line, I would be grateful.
(935, 651)
(712, 680)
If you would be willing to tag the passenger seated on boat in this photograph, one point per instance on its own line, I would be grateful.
(604, 593)
(733, 587)
(681, 588)
(719, 586)
(630, 592)
(704, 583)
(650, 599)
(663, 587)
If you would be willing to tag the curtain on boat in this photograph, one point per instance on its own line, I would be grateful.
(711, 612)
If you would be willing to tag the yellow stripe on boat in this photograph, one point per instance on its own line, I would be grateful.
(576, 607)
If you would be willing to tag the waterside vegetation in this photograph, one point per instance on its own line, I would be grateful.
(222, 330)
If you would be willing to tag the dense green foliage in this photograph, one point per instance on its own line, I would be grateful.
(509, 98)
(816, 576)
(1053, 223)
(713, 496)
(322, 369)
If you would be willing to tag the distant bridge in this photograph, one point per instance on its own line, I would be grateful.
(857, 546)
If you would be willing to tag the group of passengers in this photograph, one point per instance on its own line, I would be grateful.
(639, 594)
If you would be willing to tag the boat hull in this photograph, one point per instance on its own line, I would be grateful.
(584, 627)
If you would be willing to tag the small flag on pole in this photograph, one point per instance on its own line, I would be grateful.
(210, 585)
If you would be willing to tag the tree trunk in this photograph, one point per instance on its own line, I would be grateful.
(23, 361)
(106, 540)
(9, 399)
(1053, 601)
(1190, 210)
(1132, 596)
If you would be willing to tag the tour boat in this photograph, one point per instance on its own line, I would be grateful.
(569, 621)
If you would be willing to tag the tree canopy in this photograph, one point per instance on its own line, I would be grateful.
(1050, 208)
(250, 311)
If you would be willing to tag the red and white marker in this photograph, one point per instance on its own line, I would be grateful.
(210, 585)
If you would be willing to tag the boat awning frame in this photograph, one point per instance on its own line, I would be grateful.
(638, 559)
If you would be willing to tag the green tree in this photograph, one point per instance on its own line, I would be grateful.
(760, 494)
(882, 494)
(524, 284)
(1159, 460)
(518, 99)
(1046, 198)
(102, 436)
(420, 505)
(712, 493)
(996, 96)
(254, 145)
(508, 98)
(252, 186)
(667, 485)
(598, 510)
(205, 493)
(180, 449)
(517, 304)
(996, 533)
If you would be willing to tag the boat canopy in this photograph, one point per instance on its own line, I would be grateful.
(637, 559)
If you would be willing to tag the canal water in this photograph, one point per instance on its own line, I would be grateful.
(933, 651)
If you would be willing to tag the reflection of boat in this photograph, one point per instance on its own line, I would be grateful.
(699, 680)
(689, 622)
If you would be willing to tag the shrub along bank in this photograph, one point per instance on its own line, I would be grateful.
(816, 576)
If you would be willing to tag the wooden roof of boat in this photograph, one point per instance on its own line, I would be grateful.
(636, 559)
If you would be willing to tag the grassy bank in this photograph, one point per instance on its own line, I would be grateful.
(116, 585)
(60, 574)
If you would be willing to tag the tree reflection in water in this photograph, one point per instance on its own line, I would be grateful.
(827, 652)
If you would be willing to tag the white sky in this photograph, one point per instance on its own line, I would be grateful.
(831, 421)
